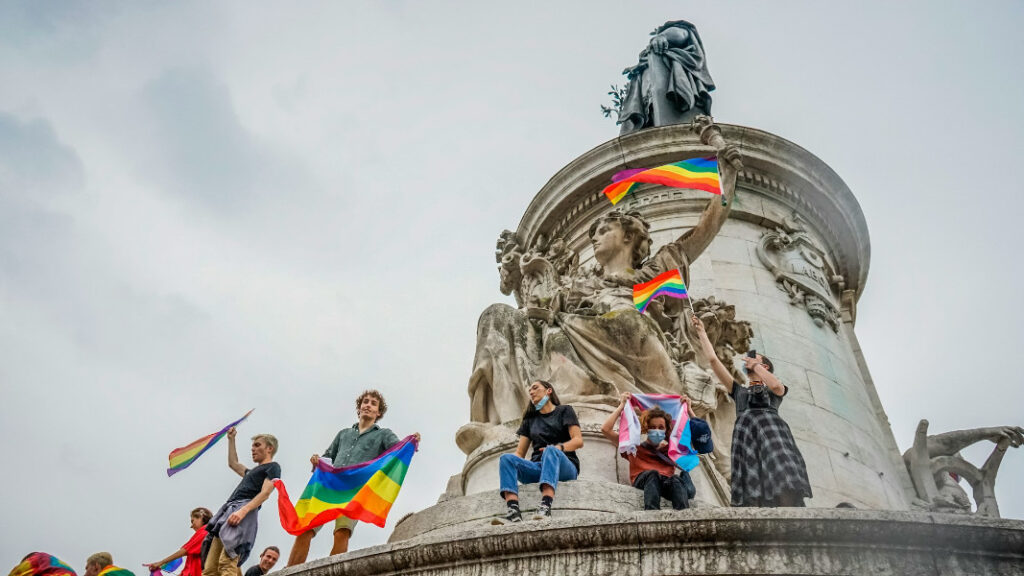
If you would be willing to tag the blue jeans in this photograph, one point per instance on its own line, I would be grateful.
(554, 466)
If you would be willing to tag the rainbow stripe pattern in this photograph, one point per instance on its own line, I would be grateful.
(363, 492)
(695, 174)
(666, 284)
(115, 571)
(680, 447)
(42, 564)
(181, 458)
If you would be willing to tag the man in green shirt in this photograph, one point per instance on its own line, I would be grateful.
(361, 442)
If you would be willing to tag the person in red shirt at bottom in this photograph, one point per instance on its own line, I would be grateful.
(193, 563)
(650, 469)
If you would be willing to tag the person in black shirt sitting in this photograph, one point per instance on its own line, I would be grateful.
(267, 561)
(554, 432)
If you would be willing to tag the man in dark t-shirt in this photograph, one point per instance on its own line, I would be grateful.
(267, 561)
(231, 532)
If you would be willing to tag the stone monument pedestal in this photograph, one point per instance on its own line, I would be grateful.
(702, 541)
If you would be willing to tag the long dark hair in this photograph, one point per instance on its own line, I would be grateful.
(530, 410)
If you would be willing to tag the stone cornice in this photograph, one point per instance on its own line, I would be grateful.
(774, 167)
(704, 541)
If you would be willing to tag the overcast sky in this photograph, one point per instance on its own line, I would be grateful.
(207, 208)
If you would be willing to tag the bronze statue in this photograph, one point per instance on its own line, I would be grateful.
(670, 84)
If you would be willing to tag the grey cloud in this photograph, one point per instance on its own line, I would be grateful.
(199, 149)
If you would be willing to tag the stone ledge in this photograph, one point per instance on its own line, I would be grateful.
(705, 541)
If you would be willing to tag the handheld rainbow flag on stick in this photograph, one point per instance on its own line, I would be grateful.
(167, 568)
(668, 284)
(181, 458)
(363, 492)
(695, 173)
(680, 447)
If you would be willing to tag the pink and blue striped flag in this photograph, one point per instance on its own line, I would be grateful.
(680, 448)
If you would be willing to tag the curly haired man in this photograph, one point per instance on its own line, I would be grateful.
(363, 441)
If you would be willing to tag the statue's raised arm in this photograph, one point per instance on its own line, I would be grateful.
(681, 252)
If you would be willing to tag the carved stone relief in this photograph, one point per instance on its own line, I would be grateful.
(803, 271)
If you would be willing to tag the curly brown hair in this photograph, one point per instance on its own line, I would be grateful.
(656, 412)
(203, 514)
(382, 404)
(634, 226)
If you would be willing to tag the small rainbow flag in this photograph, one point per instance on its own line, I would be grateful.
(669, 283)
(41, 564)
(169, 567)
(363, 492)
(115, 571)
(181, 458)
(695, 174)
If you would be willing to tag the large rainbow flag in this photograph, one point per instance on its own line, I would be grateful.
(181, 458)
(363, 492)
(695, 174)
(680, 448)
(41, 564)
(668, 283)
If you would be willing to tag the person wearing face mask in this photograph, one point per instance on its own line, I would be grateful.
(767, 466)
(650, 469)
(554, 432)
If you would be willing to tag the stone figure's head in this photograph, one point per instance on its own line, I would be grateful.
(621, 231)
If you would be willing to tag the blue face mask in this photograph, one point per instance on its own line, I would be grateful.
(656, 436)
(542, 403)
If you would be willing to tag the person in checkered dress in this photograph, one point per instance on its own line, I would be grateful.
(767, 467)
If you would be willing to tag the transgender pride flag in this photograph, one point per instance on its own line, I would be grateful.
(680, 449)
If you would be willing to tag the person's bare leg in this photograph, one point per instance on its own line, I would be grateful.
(341, 537)
(547, 490)
(300, 550)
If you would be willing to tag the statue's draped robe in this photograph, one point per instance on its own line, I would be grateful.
(667, 88)
(599, 344)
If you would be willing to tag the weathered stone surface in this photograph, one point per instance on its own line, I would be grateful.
(704, 541)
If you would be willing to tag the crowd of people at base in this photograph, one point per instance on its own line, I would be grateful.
(767, 467)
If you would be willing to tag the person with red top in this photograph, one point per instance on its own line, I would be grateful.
(650, 469)
(193, 563)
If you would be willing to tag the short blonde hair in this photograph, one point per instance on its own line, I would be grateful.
(269, 440)
(103, 559)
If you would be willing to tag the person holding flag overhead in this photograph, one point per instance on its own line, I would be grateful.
(767, 466)
(650, 468)
(191, 549)
(362, 442)
(232, 530)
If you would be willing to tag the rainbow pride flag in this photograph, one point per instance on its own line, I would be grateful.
(680, 446)
(181, 458)
(668, 284)
(695, 174)
(42, 564)
(363, 492)
(167, 568)
(115, 571)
